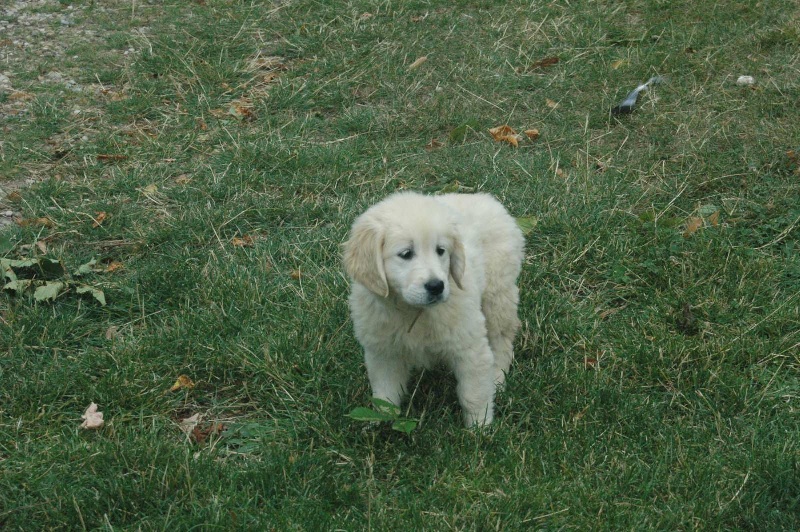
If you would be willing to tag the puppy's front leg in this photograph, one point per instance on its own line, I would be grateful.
(474, 371)
(388, 375)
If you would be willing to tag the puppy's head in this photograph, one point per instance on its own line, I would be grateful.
(407, 245)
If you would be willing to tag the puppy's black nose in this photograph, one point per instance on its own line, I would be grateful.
(434, 287)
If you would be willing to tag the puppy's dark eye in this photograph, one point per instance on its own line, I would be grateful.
(406, 254)
(439, 250)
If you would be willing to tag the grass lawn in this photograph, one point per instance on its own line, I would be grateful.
(210, 164)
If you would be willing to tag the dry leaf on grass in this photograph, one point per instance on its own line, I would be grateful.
(295, 274)
(532, 134)
(92, 419)
(112, 332)
(183, 382)
(433, 144)
(505, 133)
(106, 157)
(114, 266)
(99, 218)
(552, 104)
(246, 241)
(21, 96)
(43, 221)
(183, 179)
(544, 63)
(200, 433)
(14, 197)
(618, 63)
(692, 225)
(187, 425)
(418, 62)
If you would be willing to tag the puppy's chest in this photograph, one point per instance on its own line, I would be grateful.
(428, 342)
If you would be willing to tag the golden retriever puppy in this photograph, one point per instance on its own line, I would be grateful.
(434, 281)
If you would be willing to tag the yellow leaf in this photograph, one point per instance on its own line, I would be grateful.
(618, 63)
(182, 382)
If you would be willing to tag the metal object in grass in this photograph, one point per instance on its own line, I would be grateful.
(627, 105)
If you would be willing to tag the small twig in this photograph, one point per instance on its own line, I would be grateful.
(414, 321)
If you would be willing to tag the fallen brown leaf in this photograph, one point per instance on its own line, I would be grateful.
(201, 433)
(244, 242)
(532, 134)
(552, 104)
(41, 245)
(99, 218)
(692, 225)
(114, 266)
(14, 197)
(183, 179)
(433, 144)
(714, 219)
(21, 96)
(544, 63)
(295, 274)
(112, 332)
(618, 63)
(105, 157)
(242, 109)
(505, 133)
(43, 221)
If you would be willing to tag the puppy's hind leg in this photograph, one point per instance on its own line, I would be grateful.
(502, 323)
(388, 376)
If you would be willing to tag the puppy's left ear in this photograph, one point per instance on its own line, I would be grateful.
(458, 262)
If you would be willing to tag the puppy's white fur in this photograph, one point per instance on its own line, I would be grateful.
(434, 281)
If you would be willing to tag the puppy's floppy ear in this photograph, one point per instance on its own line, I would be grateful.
(363, 255)
(458, 262)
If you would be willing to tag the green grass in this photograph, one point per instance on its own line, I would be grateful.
(623, 410)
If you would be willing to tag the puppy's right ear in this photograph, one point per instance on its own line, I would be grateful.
(363, 255)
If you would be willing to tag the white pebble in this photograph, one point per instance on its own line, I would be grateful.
(745, 80)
